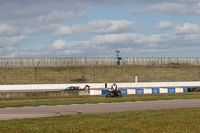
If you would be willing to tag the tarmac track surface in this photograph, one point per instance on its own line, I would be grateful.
(47, 111)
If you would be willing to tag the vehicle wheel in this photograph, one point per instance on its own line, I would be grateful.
(119, 95)
(108, 96)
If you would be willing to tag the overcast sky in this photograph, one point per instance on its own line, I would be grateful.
(96, 28)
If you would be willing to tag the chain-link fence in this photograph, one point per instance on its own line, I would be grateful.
(98, 73)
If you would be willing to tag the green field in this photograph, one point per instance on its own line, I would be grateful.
(156, 121)
(19, 102)
(152, 121)
(101, 74)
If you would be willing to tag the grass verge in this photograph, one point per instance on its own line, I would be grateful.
(99, 99)
(103, 74)
(156, 121)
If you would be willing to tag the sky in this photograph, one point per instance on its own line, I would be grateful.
(96, 28)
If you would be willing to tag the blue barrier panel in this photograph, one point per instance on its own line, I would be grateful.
(185, 89)
(139, 91)
(123, 91)
(155, 90)
(171, 90)
(104, 92)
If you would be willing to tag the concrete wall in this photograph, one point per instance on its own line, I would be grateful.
(43, 93)
(87, 92)
(97, 86)
(96, 89)
(48, 86)
(63, 61)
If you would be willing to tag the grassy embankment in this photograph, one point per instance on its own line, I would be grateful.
(103, 74)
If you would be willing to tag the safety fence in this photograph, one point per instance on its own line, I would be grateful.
(63, 61)
(98, 73)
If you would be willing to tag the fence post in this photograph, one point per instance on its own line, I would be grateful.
(198, 73)
(66, 72)
(5, 73)
(94, 70)
(122, 71)
(149, 69)
(36, 72)
(136, 79)
(174, 71)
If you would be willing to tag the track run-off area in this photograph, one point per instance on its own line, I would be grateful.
(74, 109)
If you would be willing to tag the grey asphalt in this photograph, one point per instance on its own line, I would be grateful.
(47, 111)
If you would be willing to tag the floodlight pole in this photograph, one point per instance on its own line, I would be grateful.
(117, 51)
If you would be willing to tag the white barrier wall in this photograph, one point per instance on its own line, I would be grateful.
(48, 86)
(147, 91)
(102, 85)
(142, 91)
(95, 92)
(131, 91)
(163, 90)
(158, 84)
(179, 90)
